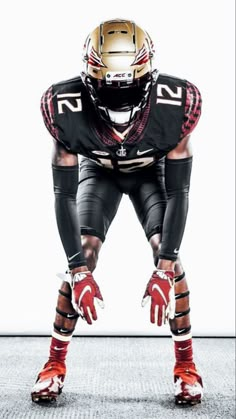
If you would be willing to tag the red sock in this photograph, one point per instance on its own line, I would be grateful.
(184, 351)
(58, 350)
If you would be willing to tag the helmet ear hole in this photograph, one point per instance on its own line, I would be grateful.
(118, 70)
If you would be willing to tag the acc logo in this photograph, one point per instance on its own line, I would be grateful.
(116, 76)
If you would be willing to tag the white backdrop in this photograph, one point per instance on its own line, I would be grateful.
(41, 44)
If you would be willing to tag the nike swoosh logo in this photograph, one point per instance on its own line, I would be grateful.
(140, 69)
(69, 315)
(156, 286)
(181, 330)
(184, 349)
(73, 256)
(86, 289)
(58, 349)
(139, 153)
(176, 251)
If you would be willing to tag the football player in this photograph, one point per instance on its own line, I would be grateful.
(121, 127)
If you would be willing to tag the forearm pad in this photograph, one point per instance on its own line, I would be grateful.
(65, 181)
(177, 180)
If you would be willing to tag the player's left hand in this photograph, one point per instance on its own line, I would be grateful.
(160, 289)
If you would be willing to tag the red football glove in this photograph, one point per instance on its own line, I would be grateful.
(85, 292)
(160, 289)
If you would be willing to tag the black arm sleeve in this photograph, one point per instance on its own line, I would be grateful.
(65, 181)
(177, 179)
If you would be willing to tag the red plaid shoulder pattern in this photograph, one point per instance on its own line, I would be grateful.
(47, 111)
(192, 109)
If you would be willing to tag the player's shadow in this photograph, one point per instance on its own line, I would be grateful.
(106, 406)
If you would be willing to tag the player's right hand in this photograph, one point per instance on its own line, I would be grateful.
(85, 291)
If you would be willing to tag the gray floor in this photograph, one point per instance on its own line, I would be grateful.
(116, 377)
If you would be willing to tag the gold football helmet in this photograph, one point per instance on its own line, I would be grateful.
(118, 71)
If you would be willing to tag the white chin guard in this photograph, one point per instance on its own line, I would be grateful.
(119, 118)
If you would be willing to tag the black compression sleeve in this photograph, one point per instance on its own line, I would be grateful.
(177, 180)
(65, 181)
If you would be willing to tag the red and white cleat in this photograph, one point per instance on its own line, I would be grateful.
(188, 386)
(49, 382)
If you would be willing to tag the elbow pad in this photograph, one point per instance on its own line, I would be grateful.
(177, 180)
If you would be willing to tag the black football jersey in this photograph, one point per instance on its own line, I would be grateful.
(172, 112)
